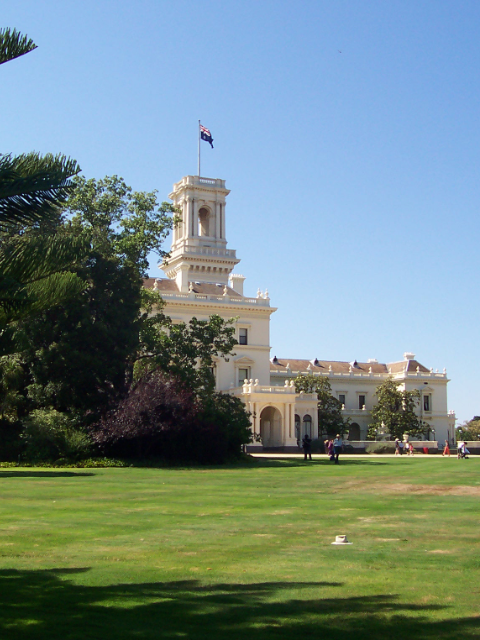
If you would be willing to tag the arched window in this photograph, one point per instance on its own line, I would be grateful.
(204, 222)
(307, 426)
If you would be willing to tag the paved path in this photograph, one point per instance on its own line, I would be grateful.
(323, 456)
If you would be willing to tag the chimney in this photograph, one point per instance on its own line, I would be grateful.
(236, 281)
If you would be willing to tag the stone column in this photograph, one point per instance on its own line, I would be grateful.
(217, 220)
(223, 234)
(286, 423)
(187, 218)
(195, 219)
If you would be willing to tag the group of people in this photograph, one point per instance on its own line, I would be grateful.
(333, 448)
(402, 447)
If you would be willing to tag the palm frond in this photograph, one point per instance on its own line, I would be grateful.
(28, 258)
(32, 187)
(54, 290)
(20, 301)
(13, 45)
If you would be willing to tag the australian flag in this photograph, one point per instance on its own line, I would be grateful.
(206, 135)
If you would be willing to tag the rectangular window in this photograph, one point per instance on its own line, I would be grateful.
(243, 374)
(243, 336)
(427, 404)
(341, 398)
(361, 402)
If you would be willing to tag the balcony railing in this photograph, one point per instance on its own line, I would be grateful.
(203, 297)
(196, 180)
(210, 251)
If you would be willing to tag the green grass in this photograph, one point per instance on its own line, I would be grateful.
(242, 552)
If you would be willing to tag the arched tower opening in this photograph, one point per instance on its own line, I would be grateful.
(204, 222)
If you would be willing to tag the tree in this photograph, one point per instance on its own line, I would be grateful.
(79, 355)
(184, 351)
(163, 417)
(330, 417)
(395, 411)
(33, 272)
(82, 356)
(469, 430)
(13, 45)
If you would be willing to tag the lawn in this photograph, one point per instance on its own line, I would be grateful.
(243, 551)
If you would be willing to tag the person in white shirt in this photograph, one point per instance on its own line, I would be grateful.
(337, 447)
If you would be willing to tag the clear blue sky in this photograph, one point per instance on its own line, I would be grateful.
(347, 130)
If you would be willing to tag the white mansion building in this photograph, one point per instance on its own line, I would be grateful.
(200, 283)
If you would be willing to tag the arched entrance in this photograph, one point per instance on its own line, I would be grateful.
(354, 431)
(271, 427)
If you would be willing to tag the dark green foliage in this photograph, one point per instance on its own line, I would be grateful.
(32, 187)
(13, 45)
(330, 417)
(50, 435)
(185, 351)
(395, 411)
(33, 274)
(77, 354)
(11, 443)
(228, 422)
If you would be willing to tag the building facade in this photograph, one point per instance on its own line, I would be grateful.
(200, 282)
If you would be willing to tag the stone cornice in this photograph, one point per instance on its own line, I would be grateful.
(209, 304)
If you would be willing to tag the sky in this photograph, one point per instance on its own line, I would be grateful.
(347, 131)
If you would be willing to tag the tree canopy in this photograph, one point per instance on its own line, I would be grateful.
(84, 354)
(395, 411)
(469, 430)
(330, 416)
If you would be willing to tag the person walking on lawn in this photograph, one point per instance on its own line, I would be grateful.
(337, 447)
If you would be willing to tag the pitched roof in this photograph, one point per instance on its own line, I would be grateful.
(324, 366)
(409, 366)
(163, 284)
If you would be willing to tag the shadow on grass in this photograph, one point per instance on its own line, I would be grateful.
(43, 474)
(45, 604)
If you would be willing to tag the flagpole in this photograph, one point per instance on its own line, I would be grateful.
(199, 148)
